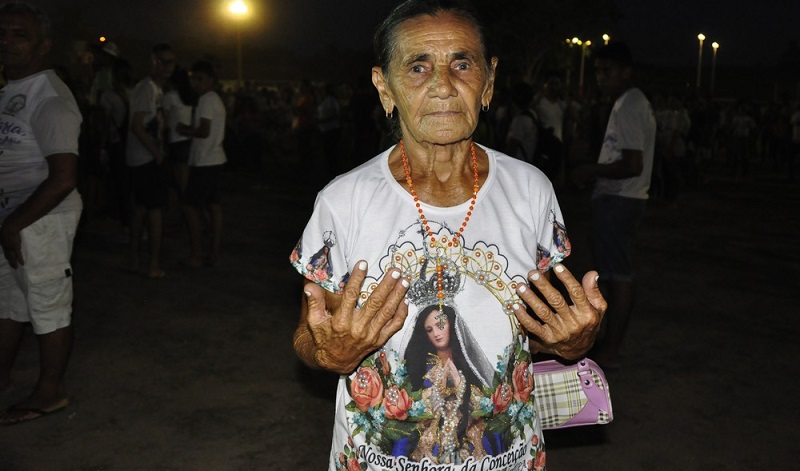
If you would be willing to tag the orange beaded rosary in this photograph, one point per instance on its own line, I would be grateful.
(441, 317)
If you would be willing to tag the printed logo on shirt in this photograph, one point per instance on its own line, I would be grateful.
(15, 105)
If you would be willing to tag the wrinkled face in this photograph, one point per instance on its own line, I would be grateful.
(437, 79)
(612, 78)
(439, 337)
(22, 45)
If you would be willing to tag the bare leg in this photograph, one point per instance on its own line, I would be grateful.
(10, 341)
(216, 233)
(181, 176)
(155, 219)
(192, 215)
(137, 225)
(49, 395)
(54, 350)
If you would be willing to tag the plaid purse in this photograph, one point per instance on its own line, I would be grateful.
(571, 395)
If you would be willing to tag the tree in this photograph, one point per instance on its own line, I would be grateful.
(529, 35)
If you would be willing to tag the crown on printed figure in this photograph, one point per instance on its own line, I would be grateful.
(329, 238)
(424, 290)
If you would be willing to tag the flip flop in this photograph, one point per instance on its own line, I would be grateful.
(16, 415)
(155, 276)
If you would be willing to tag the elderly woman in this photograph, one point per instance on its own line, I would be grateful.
(437, 220)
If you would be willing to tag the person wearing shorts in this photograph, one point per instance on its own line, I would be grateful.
(622, 175)
(206, 161)
(40, 210)
(144, 156)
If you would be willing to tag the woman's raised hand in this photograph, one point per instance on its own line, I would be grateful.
(344, 334)
(569, 332)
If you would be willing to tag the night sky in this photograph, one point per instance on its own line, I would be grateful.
(660, 33)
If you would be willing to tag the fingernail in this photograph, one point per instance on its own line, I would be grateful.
(405, 300)
(395, 274)
(522, 288)
(559, 268)
(362, 265)
(307, 293)
(535, 276)
(597, 278)
(404, 283)
(515, 306)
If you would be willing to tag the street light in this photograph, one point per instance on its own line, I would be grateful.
(239, 10)
(583, 60)
(701, 37)
(606, 38)
(714, 46)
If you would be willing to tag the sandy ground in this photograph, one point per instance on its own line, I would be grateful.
(196, 372)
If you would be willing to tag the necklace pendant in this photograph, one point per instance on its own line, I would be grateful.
(441, 316)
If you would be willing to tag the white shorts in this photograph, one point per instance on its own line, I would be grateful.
(40, 292)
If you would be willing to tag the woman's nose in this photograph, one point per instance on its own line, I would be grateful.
(442, 83)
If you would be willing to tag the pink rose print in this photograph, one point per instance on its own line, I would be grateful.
(538, 465)
(397, 403)
(502, 398)
(366, 389)
(523, 382)
(544, 263)
(353, 465)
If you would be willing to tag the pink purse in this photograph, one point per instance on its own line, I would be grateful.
(570, 395)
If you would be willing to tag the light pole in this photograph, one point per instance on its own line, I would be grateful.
(583, 60)
(701, 37)
(606, 38)
(238, 9)
(714, 46)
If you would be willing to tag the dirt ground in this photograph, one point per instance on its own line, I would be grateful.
(195, 371)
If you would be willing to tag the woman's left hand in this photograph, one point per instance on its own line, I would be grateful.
(569, 332)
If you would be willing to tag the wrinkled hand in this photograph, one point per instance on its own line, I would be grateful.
(344, 334)
(11, 242)
(569, 332)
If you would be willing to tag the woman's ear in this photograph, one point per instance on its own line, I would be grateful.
(488, 90)
(382, 86)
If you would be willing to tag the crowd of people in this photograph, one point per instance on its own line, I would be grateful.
(340, 125)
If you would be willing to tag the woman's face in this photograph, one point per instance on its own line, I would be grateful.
(437, 79)
(438, 336)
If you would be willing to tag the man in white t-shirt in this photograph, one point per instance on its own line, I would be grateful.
(39, 208)
(622, 175)
(551, 110)
(145, 155)
(206, 161)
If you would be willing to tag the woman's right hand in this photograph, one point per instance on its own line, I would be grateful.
(342, 334)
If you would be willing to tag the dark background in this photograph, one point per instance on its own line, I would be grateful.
(331, 40)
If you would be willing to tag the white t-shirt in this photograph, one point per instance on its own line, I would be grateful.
(117, 109)
(38, 118)
(208, 151)
(381, 408)
(632, 125)
(551, 115)
(523, 130)
(177, 112)
(146, 97)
